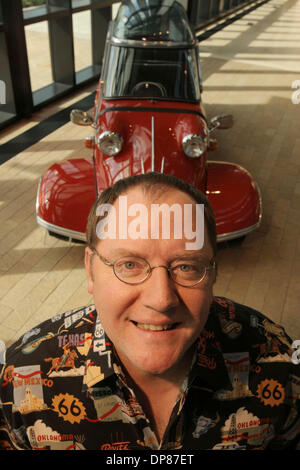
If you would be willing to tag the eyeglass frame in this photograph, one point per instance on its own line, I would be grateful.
(169, 269)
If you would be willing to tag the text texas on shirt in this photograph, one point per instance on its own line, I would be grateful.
(62, 388)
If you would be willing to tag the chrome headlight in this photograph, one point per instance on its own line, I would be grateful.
(193, 145)
(110, 143)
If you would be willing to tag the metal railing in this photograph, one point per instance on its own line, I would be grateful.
(203, 13)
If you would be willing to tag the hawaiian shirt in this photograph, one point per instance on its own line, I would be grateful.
(62, 387)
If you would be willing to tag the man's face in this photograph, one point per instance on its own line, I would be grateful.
(132, 314)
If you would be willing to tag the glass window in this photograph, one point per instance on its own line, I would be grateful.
(34, 8)
(80, 3)
(82, 39)
(33, 3)
(38, 51)
(7, 104)
(115, 9)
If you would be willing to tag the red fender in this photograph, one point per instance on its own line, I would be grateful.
(235, 199)
(65, 196)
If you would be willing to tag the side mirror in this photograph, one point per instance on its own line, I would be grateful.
(81, 118)
(224, 121)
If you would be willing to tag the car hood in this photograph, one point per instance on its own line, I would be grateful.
(152, 135)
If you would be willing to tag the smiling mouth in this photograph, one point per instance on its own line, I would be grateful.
(150, 327)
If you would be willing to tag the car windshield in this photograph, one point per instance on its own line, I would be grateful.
(160, 73)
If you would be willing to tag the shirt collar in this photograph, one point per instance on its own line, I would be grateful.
(101, 362)
(209, 369)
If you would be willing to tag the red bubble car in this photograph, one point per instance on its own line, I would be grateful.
(148, 116)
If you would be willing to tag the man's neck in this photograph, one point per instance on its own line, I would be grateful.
(157, 393)
(150, 382)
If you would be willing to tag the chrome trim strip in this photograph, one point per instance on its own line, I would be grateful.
(239, 233)
(81, 236)
(152, 143)
(260, 203)
(37, 196)
(162, 164)
(156, 44)
(149, 109)
(142, 165)
(60, 230)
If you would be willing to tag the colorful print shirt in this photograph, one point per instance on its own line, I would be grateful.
(62, 388)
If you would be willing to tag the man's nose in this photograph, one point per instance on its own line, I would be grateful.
(159, 290)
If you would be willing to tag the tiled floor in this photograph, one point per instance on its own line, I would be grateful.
(248, 69)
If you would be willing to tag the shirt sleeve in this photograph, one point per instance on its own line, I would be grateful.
(277, 385)
(288, 437)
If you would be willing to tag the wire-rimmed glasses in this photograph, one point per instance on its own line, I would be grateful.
(185, 271)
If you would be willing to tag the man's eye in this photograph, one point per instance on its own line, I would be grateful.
(186, 267)
(129, 265)
(192, 268)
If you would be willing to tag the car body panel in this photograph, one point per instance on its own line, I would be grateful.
(64, 200)
(235, 199)
(65, 195)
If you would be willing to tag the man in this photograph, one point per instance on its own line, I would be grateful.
(159, 362)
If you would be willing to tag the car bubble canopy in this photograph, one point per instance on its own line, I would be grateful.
(154, 21)
(151, 53)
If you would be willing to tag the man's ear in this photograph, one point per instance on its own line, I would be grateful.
(88, 260)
